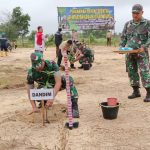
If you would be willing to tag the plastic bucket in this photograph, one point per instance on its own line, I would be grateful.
(109, 112)
(112, 101)
(86, 66)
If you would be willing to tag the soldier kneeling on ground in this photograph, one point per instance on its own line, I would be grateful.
(46, 74)
(84, 55)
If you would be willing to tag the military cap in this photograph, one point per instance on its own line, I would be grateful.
(36, 59)
(137, 8)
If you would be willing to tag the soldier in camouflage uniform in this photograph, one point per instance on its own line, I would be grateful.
(46, 74)
(73, 54)
(136, 34)
(86, 55)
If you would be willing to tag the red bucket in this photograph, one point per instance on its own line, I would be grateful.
(112, 101)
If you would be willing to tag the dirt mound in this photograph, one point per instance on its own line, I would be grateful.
(19, 85)
(55, 114)
(18, 131)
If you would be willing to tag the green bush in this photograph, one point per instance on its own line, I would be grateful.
(89, 39)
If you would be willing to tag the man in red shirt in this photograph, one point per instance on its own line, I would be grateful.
(40, 40)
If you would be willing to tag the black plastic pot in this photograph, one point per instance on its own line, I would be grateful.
(109, 112)
(86, 66)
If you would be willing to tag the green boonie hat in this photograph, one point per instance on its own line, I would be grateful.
(36, 59)
(137, 8)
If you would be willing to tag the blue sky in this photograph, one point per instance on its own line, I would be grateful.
(44, 12)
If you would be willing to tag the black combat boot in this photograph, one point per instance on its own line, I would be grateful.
(136, 93)
(75, 110)
(147, 98)
(72, 66)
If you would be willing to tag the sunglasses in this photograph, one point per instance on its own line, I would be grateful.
(136, 13)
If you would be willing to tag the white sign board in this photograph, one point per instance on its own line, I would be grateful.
(42, 94)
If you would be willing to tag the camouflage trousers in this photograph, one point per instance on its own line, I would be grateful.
(73, 90)
(85, 59)
(138, 64)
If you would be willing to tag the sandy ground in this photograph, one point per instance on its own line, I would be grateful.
(107, 78)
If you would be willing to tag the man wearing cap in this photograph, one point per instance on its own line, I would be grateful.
(85, 55)
(46, 74)
(136, 34)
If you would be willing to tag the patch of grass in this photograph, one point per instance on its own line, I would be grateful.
(3, 82)
(12, 82)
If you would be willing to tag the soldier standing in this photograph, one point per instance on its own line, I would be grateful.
(3, 45)
(136, 34)
(109, 36)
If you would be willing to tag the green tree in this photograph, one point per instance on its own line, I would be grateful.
(32, 35)
(95, 33)
(7, 27)
(21, 21)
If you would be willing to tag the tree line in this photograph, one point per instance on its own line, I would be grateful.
(16, 24)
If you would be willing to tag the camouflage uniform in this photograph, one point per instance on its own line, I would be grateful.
(45, 78)
(137, 35)
(88, 56)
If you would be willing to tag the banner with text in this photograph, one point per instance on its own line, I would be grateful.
(85, 18)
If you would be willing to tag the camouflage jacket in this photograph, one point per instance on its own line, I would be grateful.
(44, 78)
(136, 35)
